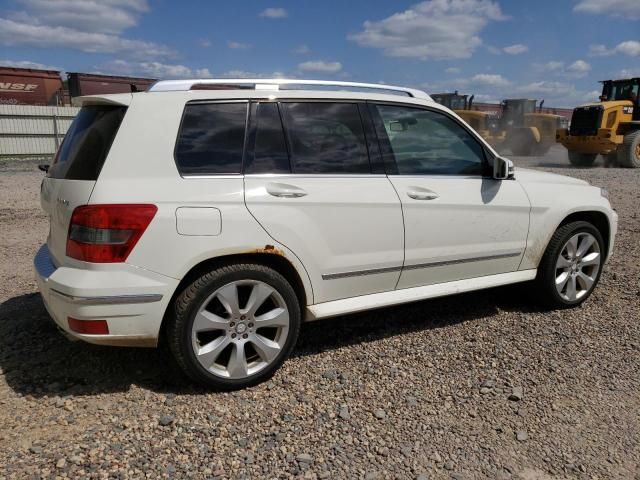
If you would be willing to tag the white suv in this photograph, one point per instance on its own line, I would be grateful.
(217, 215)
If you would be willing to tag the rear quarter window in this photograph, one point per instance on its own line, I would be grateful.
(211, 139)
(87, 143)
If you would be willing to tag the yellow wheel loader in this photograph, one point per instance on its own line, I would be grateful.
(610, 128)
(527, 131)
(482, 122)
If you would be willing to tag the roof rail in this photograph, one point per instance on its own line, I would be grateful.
(275, 83)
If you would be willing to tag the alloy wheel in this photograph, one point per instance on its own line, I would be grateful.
(577, 266)
(240, 329)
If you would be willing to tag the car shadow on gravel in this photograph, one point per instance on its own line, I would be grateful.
(37, 360)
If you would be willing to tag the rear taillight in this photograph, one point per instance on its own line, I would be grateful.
(107, 233)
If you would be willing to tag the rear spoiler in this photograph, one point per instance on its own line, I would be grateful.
(122, 99)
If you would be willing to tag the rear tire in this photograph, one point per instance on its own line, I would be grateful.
(234, 326)
(629, 151)
(578, 159)
(571, 265)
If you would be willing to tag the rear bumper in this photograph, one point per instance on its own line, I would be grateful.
(131, 300)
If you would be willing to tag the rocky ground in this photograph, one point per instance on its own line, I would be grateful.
(482, 385)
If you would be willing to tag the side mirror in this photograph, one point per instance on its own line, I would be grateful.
(503, 168)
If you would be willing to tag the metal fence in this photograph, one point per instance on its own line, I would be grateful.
(28, 131)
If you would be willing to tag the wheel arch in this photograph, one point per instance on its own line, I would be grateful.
(268, 258)
(596, 218)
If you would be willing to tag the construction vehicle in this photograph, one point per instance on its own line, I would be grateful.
(528, 131)
(482, 122)
(610, 127)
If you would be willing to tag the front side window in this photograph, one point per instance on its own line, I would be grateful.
(326, 138)
(424, 142)
(211, 139)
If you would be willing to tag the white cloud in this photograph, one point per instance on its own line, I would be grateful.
(154, 70)
(236, 73)
(302, 50)
(237, 45)
(452, 70)
(433, 29)
(623, 8)
(627, 73)
(274, 13)
(485, 80)
(205, 43)
(14, 33)
(516, 49)
(579, 68)
(552, 66)
(320, 66)
(630, 48)
(27, 64)
(92, 26)
(100, 16)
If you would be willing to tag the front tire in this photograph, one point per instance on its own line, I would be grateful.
(578, 159)
(571, 265)
(629, 151)
(234, 327)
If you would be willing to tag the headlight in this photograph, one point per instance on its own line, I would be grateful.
(605, 193)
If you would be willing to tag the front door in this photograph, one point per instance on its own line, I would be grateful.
(459, 222)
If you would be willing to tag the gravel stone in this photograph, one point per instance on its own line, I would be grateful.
(521, 435)
(74, 410)
(380, 414)
(166, 420)
(516, 394)
(344, 413)
(304, 458)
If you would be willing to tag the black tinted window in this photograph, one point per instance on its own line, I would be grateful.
(87, 143)
(211, 138)
(270, 153)
(426, 142)
(326, 138)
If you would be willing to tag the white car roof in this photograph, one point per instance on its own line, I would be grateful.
(214, 88)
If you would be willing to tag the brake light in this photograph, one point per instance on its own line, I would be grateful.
(107, 233)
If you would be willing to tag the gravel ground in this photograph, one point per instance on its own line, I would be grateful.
(482, 385)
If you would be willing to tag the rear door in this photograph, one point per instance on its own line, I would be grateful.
(75, 169)
(314, 191)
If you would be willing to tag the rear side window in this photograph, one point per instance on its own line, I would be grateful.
(326, 138)
(87, 143)
(211, 139)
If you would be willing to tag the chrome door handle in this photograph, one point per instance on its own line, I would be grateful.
(283, 190)
(422, 194)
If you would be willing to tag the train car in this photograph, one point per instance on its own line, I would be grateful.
(93, 84)
(27, 86)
